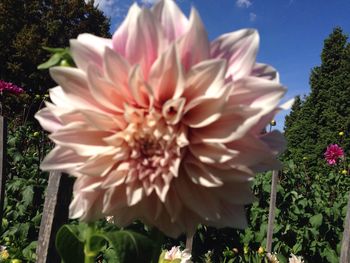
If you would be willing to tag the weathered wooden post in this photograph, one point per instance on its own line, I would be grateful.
(55, 214)
(345, 246)
(3, 162)
(272, 211)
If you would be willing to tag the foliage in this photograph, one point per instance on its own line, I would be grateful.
(315, 121)
(78, 242)
(309, 215)
(23, 36)
(25, 189)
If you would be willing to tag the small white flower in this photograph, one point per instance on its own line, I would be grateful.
(175, 253)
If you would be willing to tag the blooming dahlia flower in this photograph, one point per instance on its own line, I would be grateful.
(161, 125)
(333, 153)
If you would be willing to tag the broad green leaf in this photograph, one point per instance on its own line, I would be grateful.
(68, 245)
(316, 220)
(129, 246)
(282, 258)
(330, 255)
(28, 194)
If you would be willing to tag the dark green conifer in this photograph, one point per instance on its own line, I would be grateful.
(316, 121)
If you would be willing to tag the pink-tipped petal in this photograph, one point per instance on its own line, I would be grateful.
(194, 45)
(104, 91)
(265, 71)
(61, 158)
(171, 18)
(203, 111)
(86, 51)
(47, 120)
(239, 49)
(166, 76)
(206, 78)
(117, 71)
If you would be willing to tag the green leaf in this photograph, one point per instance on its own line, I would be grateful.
(68, 245)
(53, 61)
(54, 50)
(316, 220)
(28, 194)
(130, 246)
(29, 251)
(330, 255)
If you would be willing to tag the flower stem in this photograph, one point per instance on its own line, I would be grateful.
(89, 255)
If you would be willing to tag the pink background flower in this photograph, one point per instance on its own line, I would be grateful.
(160, 124)
(333, 153)
(10, 87)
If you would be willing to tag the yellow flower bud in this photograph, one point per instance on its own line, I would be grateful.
(261, 250)
(341, 133)
(4, 255)
(36, 134)
(235, 250)
(16, 260)
(344, 172)
(304, 158)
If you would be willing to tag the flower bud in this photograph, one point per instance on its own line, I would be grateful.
(261, 250)
(245, 250)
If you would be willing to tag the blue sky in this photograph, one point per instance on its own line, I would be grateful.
(291, 31)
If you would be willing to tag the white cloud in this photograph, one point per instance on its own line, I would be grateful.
(111, 8)
(244, 3)
(252, 16)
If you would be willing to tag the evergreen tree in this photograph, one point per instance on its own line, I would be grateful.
(27, 26)
(317, 120)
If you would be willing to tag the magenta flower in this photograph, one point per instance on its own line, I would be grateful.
(10, 87)
(161, 125)
(333, 153)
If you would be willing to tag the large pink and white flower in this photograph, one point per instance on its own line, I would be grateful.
(160, 124)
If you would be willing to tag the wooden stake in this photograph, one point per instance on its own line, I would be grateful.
(56, 207)
(272, 211)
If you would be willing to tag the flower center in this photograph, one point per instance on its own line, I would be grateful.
(154, 150)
